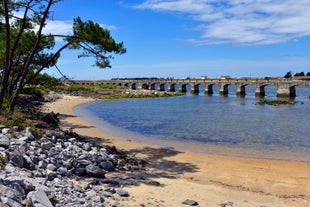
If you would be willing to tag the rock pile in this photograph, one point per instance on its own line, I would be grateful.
(59, 170)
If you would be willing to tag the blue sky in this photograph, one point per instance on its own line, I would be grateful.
(191, 38)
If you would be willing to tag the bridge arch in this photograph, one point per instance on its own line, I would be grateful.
(185, 87)
(145, 86)
(162, 87)
(154, 86)
(134, 86)
(174, 87)
(260, 89)
(224, 88)
(127, 85)
(240, 91)
(198, 88)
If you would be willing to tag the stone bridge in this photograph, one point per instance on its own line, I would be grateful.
(285, 88)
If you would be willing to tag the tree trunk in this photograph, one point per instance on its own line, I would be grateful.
(6, 64)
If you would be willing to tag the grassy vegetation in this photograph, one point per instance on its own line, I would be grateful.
(92, 87)
(276, 102)
(2, 162)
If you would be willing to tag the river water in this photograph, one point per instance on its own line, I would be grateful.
(221, 125)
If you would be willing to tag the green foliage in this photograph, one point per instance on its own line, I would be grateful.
(2, 162)
(276, 102)
(92, 87)
(45, 80)
(32, 90)
(95, 41)
(300, 74)
(288, 75)
(14, 119)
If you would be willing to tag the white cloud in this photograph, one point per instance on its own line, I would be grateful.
(58, 27)
(243, 22)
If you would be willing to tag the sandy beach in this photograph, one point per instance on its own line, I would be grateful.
(210, 180)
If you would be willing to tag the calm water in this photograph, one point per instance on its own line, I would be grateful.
(228, 121)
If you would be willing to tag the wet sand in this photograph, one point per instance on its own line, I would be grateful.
(208, 179)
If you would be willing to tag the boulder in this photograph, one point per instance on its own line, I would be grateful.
(95, 171)
(39, 198)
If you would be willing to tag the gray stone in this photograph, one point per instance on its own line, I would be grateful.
(51, 167)
(84, 162)
(4, 141)
(190, 202)
(107, 165)
(10, 202)
(16, 158)
(80, 171)
(9, 168)
(5, 130)
(121, 192)
(225, 204)
(42, 164)
(95, 171)
(63, 171)
(29, 134)
(46, 145)
(39, 197)
(91, 193)
(18, 188)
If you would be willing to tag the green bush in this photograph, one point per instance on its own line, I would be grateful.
(32, 90)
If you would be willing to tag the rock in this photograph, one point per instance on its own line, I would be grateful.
(80, 171)
(84, 162)
(16, 158)
(107, 165)
(95, 171)
(121, 192)
(46, 145)
(10, 202)
(228, 203)
(4, 141)
(18, 188)
(190, 202)
(51, 167)
(5, 130)
(39, 197)
(36, 171)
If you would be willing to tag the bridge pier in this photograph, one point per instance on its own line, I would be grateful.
(196, 89)
(240, 89)
(286, 90)
(260, 90)
(224, 89)
(209, 89)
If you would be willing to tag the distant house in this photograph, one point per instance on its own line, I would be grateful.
(225, 77)
(203, 77)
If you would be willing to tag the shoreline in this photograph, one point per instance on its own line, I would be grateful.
(208, 179)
